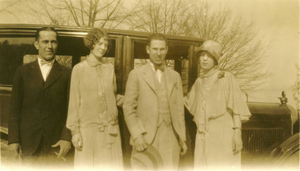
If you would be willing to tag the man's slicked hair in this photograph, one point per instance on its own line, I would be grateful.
(157, 36)
(37, 36)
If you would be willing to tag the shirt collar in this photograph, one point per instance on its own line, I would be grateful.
(92, 61)
(41, 60)
(162, 67)
(152, 66)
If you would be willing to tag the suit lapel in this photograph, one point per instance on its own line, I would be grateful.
(170, 81)
(36, 74)
(148, 76)
(54, 74)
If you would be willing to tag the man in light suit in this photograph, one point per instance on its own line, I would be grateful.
(39, 103)
(153, 106)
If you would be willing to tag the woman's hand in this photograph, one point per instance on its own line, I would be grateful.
(77, 141)
(237, 143)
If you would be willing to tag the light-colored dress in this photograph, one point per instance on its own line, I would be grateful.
(93, 114)
(213, 100)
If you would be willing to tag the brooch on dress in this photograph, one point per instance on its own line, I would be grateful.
(221, 74)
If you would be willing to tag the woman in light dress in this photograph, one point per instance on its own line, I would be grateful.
(93, 114)
(218, 107)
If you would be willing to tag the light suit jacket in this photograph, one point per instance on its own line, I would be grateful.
(141, 108)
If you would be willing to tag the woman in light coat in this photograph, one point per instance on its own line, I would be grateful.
(219, 108)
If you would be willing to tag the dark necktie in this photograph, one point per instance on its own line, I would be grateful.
(161, 67)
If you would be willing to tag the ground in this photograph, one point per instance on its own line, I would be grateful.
(249, 161)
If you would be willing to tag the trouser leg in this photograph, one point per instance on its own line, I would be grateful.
(167, 145)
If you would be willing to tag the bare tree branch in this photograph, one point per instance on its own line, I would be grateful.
(111, 13)
(10, 5)
(71, 8)
(244, 55)
(84, 13)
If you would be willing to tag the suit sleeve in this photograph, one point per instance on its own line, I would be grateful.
(130, 106)
(180, 109)
(15, 108)
(74, 102)
(190, 101)
(66, 133)
(119, 97)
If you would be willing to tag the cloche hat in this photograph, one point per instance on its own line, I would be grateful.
(212, 47)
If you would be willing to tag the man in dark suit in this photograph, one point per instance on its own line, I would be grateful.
(39, 105)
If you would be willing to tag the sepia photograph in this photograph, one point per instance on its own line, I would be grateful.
(132, 85)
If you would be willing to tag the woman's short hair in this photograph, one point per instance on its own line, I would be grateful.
(94, 36)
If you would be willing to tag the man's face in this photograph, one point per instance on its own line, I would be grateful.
(47, 45)
(157, 51)
(100, 48)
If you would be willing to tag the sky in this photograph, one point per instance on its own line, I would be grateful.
(277, 22)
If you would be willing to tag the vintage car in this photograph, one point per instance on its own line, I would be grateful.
(270, 124)
(286, 155)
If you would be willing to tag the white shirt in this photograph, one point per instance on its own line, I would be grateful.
(158, 72)
(45, 69)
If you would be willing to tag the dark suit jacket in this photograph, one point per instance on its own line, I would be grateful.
(39, 109)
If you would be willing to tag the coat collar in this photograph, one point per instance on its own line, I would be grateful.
(149, 76)
(36, 75)
(171, 80)
(54, 74)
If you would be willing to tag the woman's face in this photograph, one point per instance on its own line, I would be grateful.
(207, 61)
(100, 48)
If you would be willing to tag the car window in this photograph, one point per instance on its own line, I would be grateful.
(16, 51)
(12, 51)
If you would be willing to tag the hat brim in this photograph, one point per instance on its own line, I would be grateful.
(148, 159)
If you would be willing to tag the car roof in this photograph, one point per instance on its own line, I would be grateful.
(28, 29)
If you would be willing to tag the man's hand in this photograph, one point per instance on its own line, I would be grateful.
(237, 143)
(65, 146)
(140, 143)
(77, 141)
(183, 147)
(16, 148)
